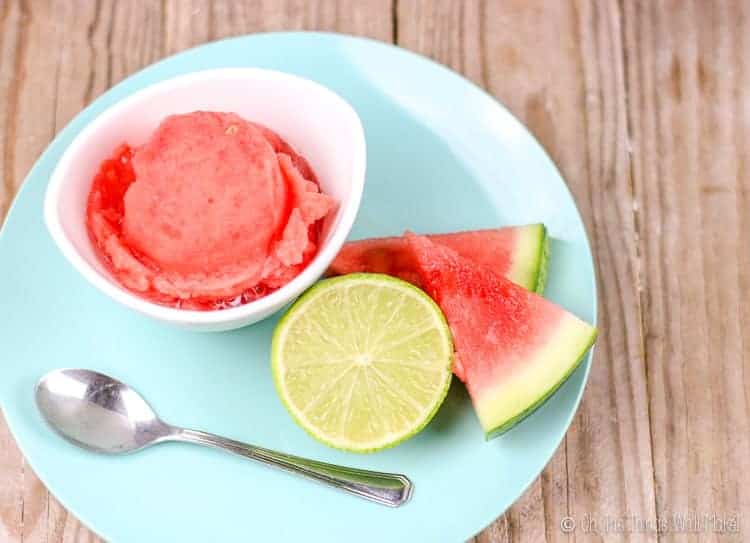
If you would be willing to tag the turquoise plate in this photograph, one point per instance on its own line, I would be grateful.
(442, 155)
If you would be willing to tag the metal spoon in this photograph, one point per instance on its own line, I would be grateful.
(99, 413)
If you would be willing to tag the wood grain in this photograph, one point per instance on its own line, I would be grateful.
(11, 461)
(688, 71)
(643, 106)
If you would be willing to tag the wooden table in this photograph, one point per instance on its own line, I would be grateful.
(645, 107)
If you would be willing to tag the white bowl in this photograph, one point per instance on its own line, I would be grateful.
(318, 123)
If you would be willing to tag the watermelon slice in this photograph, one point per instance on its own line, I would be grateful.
(517, 252)
(513, 347)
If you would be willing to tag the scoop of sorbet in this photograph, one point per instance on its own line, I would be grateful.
(220, 207)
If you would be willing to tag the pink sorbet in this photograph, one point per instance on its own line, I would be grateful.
(212, 212)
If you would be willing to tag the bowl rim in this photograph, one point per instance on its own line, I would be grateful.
(264, 306)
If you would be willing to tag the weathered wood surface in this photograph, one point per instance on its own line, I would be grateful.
(645, 108)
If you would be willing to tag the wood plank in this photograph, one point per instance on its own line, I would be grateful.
(194, 22)
(13, 32)
(688, 71)
(11, 489)
(13, 36)
(576, 106)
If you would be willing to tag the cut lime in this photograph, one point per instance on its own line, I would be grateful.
(362, 361)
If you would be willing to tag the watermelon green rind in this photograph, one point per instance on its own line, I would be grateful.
(499, 430)
(541, 277)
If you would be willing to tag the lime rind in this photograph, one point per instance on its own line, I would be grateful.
(298, 310)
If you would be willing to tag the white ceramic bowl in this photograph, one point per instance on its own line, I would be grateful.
(318, 123)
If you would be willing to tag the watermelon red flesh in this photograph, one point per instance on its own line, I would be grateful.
(513, 347)
(517, 252)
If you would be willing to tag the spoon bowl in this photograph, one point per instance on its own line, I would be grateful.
(98, 412)
(104, 415)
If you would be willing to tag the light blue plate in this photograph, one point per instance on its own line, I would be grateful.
(442, 155)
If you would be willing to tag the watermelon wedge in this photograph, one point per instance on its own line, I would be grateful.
(513, 347)
(517, 252)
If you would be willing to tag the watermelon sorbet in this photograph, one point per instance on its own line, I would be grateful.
(213, 211)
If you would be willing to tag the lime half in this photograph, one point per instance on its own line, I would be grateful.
(362, 361)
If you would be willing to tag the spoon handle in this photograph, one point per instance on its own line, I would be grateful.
(390, 489)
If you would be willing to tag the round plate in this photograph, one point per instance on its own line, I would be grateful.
(442, 156)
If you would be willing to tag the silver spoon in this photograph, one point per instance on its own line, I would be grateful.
(99, 413)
